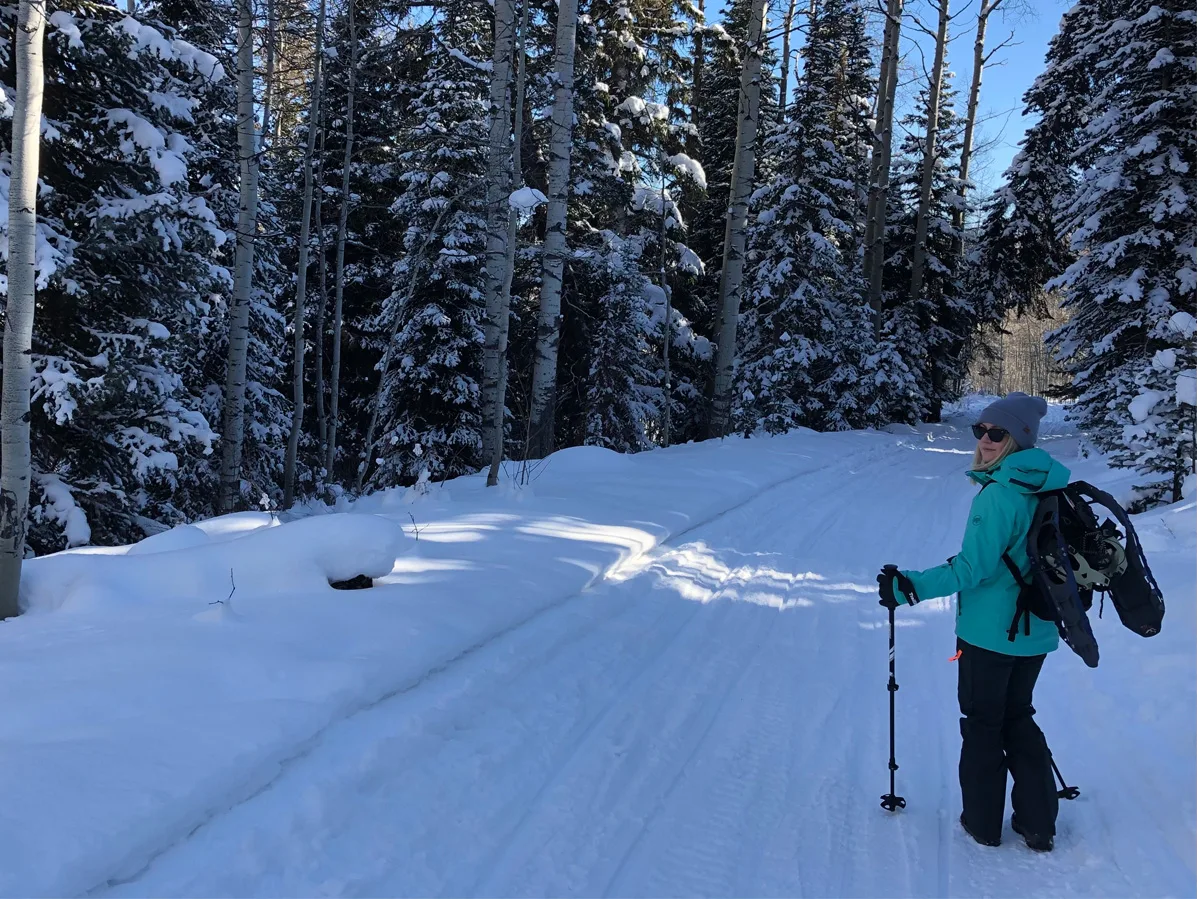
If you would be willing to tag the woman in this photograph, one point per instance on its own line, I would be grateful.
(997, 673)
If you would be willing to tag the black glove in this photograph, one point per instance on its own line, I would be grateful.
(885, 587)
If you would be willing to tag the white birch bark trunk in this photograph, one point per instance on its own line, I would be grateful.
(15, 462)
(268, 87)
(301, 275)
(342, 226)
(243, 266)
(322, 282)
(787, 29)
(732, 276)
(663, 278)
(517, 182)
(548, 329)
(696, 98)
(498, 181)
(919, 255)
(874, 255)
(970, 121)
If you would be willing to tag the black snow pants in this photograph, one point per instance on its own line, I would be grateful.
(1000, 734)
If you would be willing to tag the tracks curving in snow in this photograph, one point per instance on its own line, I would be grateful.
(708, 719)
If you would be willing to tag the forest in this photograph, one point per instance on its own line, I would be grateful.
(261, 252)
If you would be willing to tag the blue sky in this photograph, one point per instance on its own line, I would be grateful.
(1001, 121)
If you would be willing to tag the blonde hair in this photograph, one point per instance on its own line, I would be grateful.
(1008, 447)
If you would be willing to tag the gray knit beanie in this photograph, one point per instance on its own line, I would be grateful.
(1019, 414)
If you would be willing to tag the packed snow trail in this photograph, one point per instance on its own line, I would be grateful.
(710, 720)
(651, 675)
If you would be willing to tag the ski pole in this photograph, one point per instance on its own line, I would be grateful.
(891, 801)
(1065, 791)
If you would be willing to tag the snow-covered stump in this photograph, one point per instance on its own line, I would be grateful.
(185, 565)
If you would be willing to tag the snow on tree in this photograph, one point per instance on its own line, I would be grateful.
(931, 331)
(431, 415)
(216, 172)
(807, 354)
(125, 275)
(1021, 244)
(714, 119)
(622, 396)
(1132, 289)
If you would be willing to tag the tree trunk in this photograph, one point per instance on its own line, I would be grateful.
(268, 88)
(548, 329)
(696, 95)
(787, 28)
(243, 266)
(498, 181)
(342, 226)
(301, 274)
(15, 461)
(517, 167)
(743, 169)
(663, 278)
(919, 255)
(322, 285)
(874, 254)
(970, 121)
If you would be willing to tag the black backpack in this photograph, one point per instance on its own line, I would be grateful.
(1072, 556)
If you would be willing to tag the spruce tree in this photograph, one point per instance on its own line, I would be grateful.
(1132, 291)
(806, 344)
(125, 280)
(430, 416)
(213, 173)
(933, 330)
(1021, 244)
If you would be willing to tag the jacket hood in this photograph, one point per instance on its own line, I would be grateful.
(1026, 471)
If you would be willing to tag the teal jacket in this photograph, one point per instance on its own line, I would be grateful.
(986, 591)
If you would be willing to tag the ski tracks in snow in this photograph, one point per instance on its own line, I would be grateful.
(708, 719)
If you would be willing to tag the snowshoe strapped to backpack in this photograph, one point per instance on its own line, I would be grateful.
(1136, 596)
(1073, 555)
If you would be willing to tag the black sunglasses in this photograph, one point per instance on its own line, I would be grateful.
(997, 435)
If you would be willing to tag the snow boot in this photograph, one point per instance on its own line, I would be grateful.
(1033, 841)
(989, 843)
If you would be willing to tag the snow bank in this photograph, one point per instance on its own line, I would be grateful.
(184, 565)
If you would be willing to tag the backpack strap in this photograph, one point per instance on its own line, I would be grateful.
(1021, 612)
(1013, 569)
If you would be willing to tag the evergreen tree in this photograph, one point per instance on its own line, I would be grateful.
(125, 280)
(1132, 290)
(430, 419)
(806, 343)
(1021, 245)
(714, 119)
(932, 331)
(213, 174)
(393, 60)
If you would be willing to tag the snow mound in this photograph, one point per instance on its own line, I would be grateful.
(185, 536)
(587, 461)
(184, 565)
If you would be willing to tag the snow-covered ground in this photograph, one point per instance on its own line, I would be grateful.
(651, 675)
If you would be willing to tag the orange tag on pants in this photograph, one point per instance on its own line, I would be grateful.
(956, 658)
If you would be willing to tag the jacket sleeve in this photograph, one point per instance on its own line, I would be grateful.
(987, 536)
